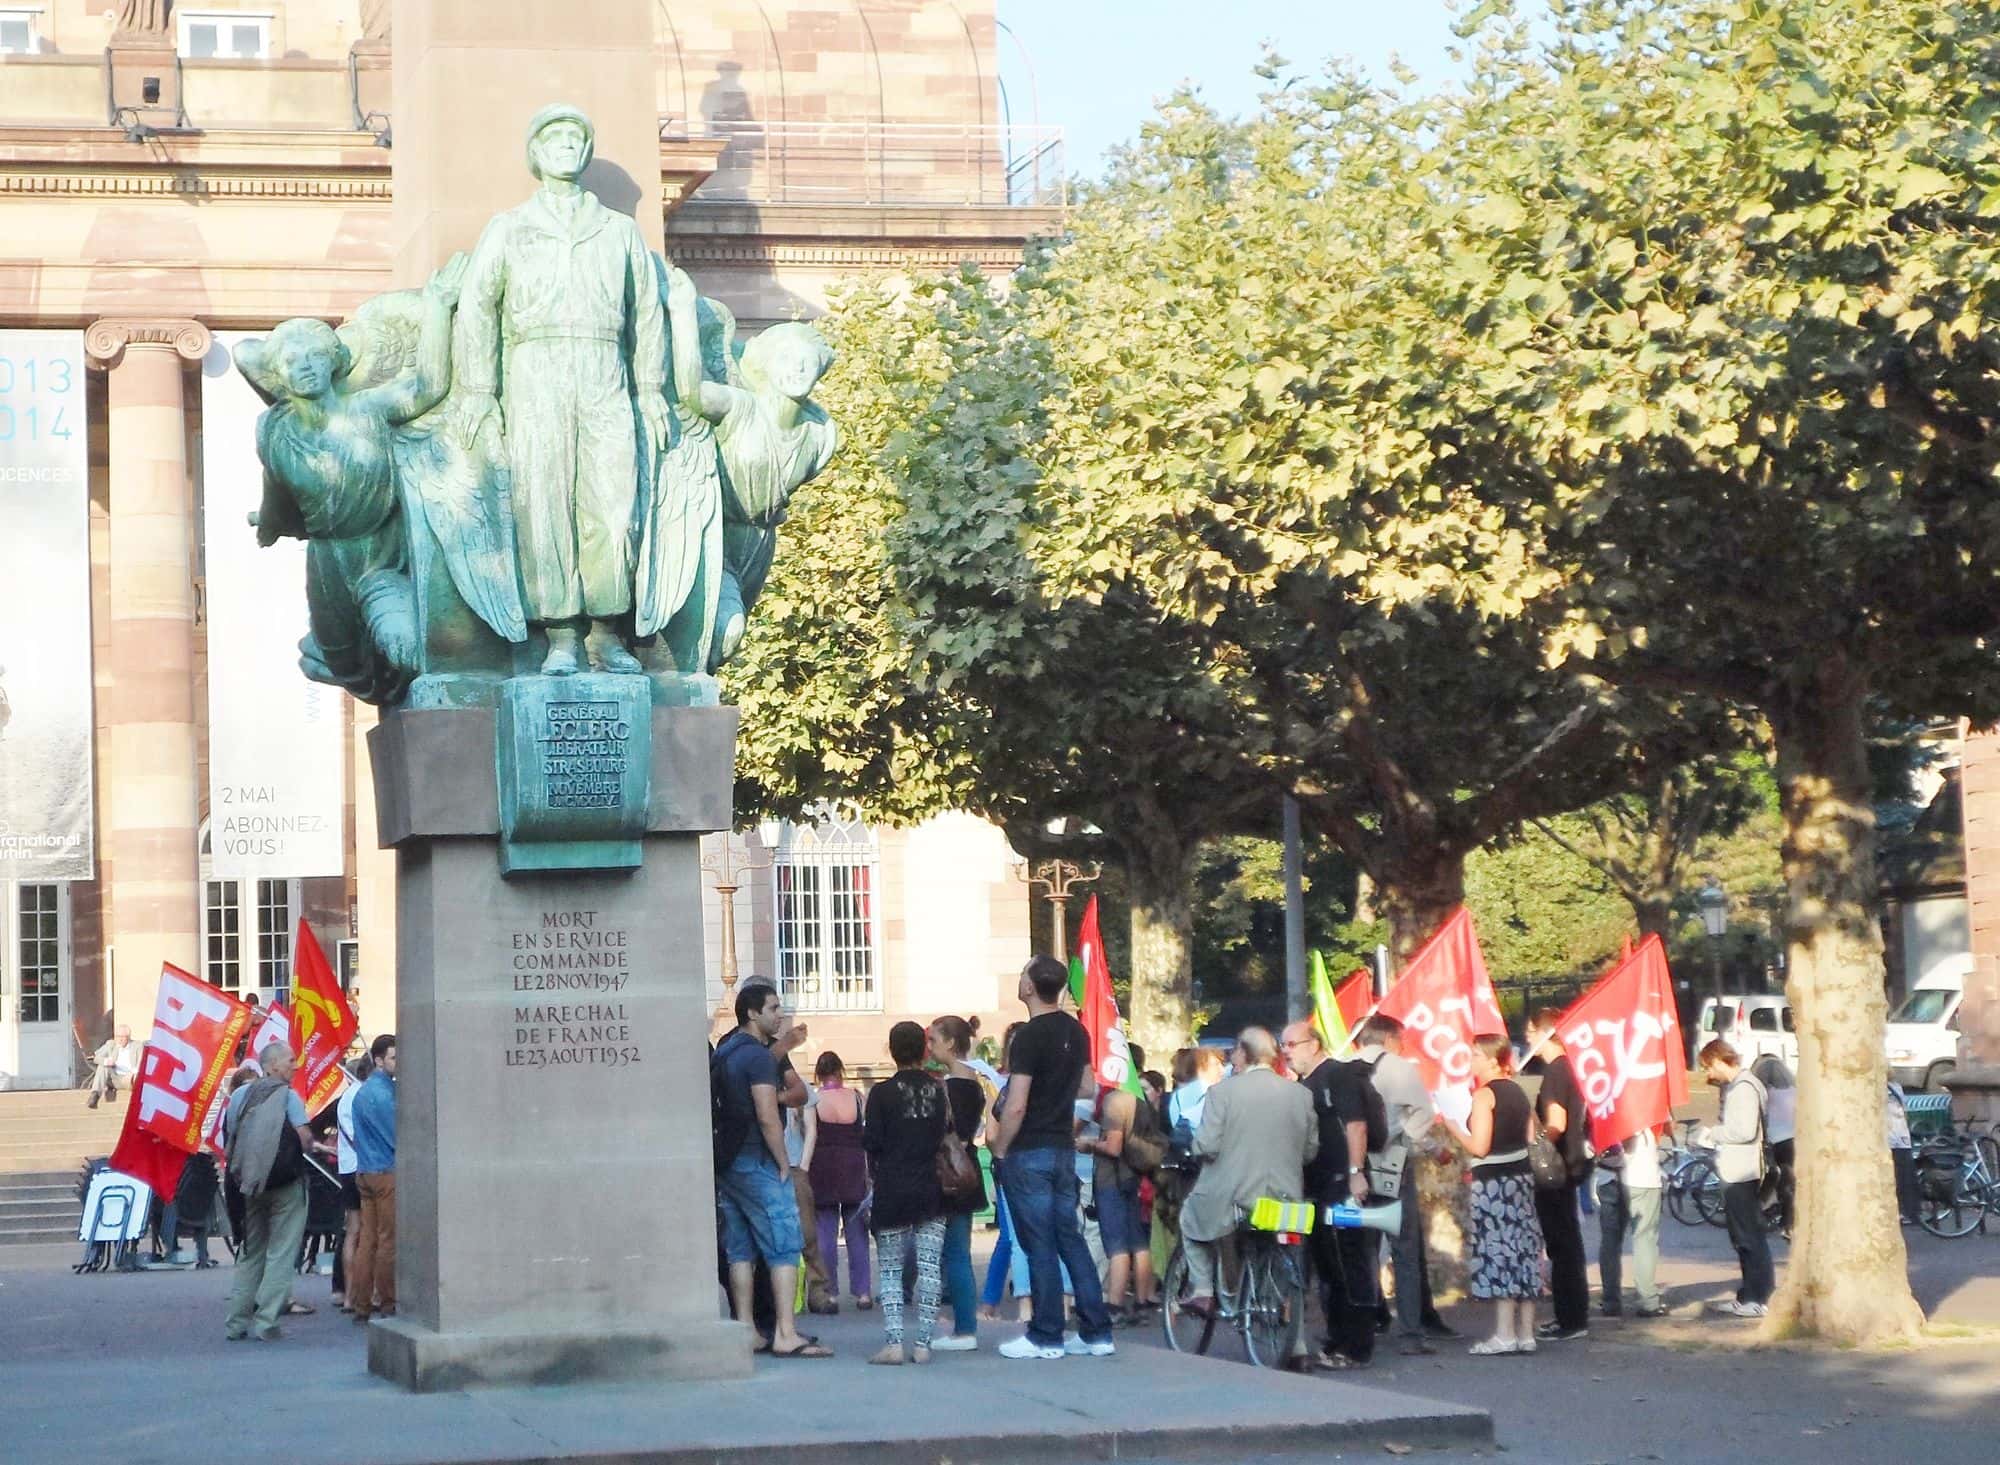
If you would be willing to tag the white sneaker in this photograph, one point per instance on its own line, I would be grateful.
(1077, 1348)
(1024, 1347)
(1733, 1308)
(954, 1343)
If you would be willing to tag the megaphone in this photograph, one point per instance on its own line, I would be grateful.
(1386, 1216)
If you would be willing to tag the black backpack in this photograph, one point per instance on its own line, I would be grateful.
(728, 1119)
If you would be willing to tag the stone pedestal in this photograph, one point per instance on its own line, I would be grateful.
(554, 1187)
(144, 76)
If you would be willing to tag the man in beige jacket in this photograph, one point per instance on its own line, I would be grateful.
(1257, 1134)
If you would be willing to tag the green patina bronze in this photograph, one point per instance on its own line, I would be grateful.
(551, 479)
(574, 755)
(555, 457)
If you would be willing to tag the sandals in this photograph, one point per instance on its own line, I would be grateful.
(808, 1348)
(295, 1308)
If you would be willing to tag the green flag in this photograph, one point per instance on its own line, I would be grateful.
(1326, 1011)
(1076, 981)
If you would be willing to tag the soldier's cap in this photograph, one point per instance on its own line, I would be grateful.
(561, 112)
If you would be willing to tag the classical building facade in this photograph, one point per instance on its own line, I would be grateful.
(170, 175)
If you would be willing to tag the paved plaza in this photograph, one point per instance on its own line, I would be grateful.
(133, 1368)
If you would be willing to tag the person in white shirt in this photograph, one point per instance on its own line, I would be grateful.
(1628, 1204)
(1411, 1118)
(116, 1059)
(1739, 1164)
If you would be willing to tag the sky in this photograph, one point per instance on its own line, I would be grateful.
(1096, 67)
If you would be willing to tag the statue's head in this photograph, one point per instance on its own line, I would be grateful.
(304, 357)
(788, 358)
(561, 142)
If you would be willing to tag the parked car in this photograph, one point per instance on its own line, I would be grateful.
(1922, 1036)
(1753, 1024)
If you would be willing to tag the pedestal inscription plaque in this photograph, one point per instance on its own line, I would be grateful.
(575, 762)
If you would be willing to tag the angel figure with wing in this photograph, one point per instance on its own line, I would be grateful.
(358, 463)
(769, 438)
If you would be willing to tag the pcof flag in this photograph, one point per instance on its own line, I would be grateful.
(1623, 1038)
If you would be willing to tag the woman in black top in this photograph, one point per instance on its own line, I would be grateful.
(905, 1123)
(1506, 1235)
(950, 1046)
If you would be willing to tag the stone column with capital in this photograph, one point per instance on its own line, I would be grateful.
(151, 811)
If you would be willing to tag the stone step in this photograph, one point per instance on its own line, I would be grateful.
(12, 1209)
(63, 1180)
(58, 1157)
(36, 1233)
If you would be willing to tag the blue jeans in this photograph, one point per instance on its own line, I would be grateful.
(1003, 1251)
(760, 1211)
(958, 1284)
(1042, 1197)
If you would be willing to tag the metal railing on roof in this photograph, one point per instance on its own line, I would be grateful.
(912, 163)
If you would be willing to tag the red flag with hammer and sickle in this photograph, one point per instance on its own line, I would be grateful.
(322, 1024)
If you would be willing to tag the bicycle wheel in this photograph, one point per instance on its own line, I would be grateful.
(1706, 1185)
(1186, 1333)
(1958, 1216)
(1681, 1199)
(1274, 1304)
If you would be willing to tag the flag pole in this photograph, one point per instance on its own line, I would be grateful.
(1297, 1004)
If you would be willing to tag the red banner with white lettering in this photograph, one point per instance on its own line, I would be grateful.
(1355, 998)
(273, 1026)
(1444, 1000)
(1624, 1041)
(144, 1156)
(322, 1024)
(195, 1031)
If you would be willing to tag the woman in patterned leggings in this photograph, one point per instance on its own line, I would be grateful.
(902, 1129)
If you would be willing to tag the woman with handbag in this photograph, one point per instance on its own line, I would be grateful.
(907, 1120)
(1506, 1233)
(950, 1049)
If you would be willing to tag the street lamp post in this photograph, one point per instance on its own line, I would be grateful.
(1713, 902)
(729, 869)
(1058, 878)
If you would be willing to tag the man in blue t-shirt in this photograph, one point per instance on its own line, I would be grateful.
(374, 1273)
(264, 1134)
(753, 1189)
(1034, 1145)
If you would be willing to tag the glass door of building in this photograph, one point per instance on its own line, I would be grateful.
(36, 1051)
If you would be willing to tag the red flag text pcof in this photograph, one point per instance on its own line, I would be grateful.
(195, 1031)
(144, 1156)
(1110, 1058)
(1624, 1041)
(322, 1023)
(1444, 1000)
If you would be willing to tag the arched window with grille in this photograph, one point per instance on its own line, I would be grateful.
(829, 934)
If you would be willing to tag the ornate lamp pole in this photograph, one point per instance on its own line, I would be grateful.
(1058, 878)
(729, 869)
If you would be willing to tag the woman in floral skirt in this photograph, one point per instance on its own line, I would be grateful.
(1506, 1237)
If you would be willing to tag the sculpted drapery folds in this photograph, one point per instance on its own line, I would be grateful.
(463, 479)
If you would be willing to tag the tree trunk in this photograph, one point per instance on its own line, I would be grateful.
(1848, 1278)
(1158, 884)
(1654, 912)
(1416, 893)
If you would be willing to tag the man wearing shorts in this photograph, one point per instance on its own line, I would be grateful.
(753, 1192)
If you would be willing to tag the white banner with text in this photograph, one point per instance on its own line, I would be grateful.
(276, 777)
(45, 655)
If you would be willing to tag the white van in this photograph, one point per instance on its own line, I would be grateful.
(1922, 1035)
(1753, 1024)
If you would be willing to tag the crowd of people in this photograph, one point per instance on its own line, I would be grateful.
(1096, 1184)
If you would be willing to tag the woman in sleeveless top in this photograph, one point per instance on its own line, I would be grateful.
(1506, 1237)
(839, 1174)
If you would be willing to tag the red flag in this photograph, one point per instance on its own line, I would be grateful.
(1444, 1000)
(143, 1155)
(1355, 998)
(1624, 1041)
(273, 1026)
(322, 1023)
(1110, 1058)
(195, 1029)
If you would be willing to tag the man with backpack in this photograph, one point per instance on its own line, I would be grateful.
(1352, 1122)
(264, 1133)
(1128, 1147)
(1560, 1112)
(753, 1184)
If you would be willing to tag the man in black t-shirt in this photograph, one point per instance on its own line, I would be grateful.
(1343, 1261)
(1560, 1112)
(1034, 1154)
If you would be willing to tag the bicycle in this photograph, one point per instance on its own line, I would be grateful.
(1958, 1182)
(1687, 1174)
(1266, 1303)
